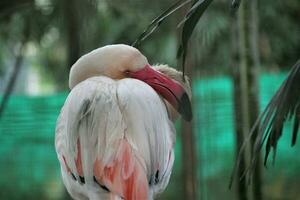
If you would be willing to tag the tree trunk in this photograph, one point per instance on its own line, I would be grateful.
(253, 73)
(250, 60)
(72, 14)
(188, 142)
(189, 162)
(246, 90)
(238, 109)
(16, 68)
(189, 158)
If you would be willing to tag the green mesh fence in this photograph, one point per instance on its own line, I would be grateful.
(29, 168)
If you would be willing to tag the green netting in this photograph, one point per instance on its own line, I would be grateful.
(30, 169)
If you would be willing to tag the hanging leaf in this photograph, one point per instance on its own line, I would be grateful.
(235, 4)
(189, 24)
(284, 106)
(158, 20)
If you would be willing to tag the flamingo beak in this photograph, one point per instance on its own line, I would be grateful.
(168, 88)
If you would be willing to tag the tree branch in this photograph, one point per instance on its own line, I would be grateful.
(16, 69)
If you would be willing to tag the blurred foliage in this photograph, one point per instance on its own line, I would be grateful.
(279, 36)
(280, 32)
(98, 23)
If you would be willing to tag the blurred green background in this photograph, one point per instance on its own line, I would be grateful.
(41, 39)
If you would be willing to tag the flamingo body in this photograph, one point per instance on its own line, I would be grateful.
(114, 138)
(124, 130)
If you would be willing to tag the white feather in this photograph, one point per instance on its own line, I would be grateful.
(100, 112)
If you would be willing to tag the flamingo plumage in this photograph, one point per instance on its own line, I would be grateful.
(115, 136)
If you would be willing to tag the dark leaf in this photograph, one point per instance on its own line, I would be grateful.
(8, 8)
(158, 20)
(235, 4)
(283, 106)
(189, 23)
(296, 125)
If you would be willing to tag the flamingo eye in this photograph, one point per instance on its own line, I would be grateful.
(127, 73)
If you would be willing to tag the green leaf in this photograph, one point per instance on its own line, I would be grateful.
(158, 20)
(284, 106)
(190, 21)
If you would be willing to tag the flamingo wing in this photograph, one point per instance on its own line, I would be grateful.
(114, 139)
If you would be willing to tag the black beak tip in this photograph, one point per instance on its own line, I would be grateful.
(185, 108)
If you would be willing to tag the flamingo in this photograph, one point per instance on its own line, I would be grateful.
(115, 136)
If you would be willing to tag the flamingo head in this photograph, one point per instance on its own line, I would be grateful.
(122, 61)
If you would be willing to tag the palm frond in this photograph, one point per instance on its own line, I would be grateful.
(189, 22)
(158, 20)
(284, 106)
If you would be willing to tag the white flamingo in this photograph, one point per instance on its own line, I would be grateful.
(114, 136)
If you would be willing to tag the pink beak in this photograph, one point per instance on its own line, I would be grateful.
(168, 88)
